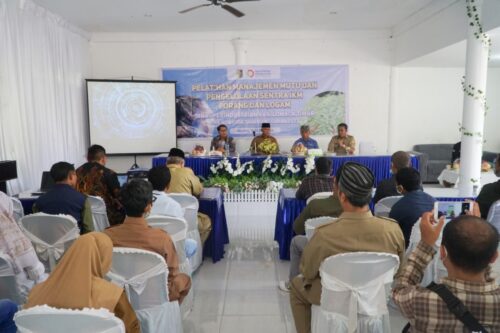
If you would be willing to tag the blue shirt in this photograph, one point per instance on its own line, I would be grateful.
(409, 209)
(309, 143)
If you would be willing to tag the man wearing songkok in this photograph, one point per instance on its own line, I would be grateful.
(387, 187)
(413, 203)
(320, 181)
(305, 140)
(355, 230)
(490, 192)
(97, 180)
(265, 144)
(342, 143)
(183, 179)
(63, 198)
(137, 198)
(223, 141)
(469, 246)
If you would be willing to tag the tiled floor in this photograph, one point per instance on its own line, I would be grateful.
(241, 295)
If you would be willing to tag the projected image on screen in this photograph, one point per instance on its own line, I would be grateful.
(132, 117)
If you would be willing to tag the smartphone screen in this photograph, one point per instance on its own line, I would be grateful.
(451, 209)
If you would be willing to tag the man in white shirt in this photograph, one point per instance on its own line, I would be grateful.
(159, 177)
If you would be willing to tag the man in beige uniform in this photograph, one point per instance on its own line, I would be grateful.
(355, 230)
(343, 143)
(256, 145)
(183, 180)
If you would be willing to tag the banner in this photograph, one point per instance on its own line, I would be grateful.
(243, 97)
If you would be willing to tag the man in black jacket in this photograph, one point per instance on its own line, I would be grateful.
(387, 187)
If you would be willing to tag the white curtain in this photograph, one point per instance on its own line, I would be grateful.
(43, 63)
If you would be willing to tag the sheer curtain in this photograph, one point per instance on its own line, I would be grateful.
(43, 63)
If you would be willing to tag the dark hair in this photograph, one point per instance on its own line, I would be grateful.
(471, 242)
(159, 177)
(344, 125)
(324, 166)
(61, 170)
(409, 178)
(95, 153)
(220, 126)
(135, 196)
(400, 160)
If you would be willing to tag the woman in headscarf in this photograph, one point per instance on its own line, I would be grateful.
(78, 281)
(13, 243)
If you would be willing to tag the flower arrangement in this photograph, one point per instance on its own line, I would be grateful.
(269, 175)
(268, 147)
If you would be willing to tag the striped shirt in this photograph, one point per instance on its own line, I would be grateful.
(427, 312)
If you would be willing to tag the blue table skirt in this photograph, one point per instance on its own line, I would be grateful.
(213, 207)
(379, 165)
(289, 209)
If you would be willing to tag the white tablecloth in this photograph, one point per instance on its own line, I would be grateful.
(452, 177)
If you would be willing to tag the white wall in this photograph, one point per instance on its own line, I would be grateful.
(368, 55)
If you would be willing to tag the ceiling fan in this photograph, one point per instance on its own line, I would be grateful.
(222, 3)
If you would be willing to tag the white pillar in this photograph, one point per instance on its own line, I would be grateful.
(240, 51)
(474, 102)
(391, 117)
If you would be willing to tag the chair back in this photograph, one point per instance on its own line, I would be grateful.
(18, 208)
(51, 235)
(312, 224)
(144, 275)
(354, 283)
(319, 195)
(494, 215)
(383, 206)
(8, 283)
(99, 214)
(367, 148)
(190, 205)
(46, 319)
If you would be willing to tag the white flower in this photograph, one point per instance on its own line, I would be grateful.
(267, 164)
(250, 169)
(275, 167)
(213, 168)
(310, 164)
(238, 162)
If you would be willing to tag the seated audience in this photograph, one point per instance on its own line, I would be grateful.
(355, 230)
(387, 187)
(469, 245)
(261, 143)
(326, 207)
(137, 198)
(305, 140)
(159, 177)
(7, 311)
(28, 269)
(97, 180)
(342, 144)
(63, 198)
(78, 282)
(183, 179)
(490, 192)
(320, 181)
(414, 202)
(455, 154)
(223, 141)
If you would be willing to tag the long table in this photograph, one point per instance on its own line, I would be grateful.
(289, 208)
(379, 165)
(211, 203)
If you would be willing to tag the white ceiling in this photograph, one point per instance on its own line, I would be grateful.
(162, 15)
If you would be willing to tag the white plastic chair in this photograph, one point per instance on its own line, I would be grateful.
(144, 276)
(8, 284)
(18, 209)
(312, 224)
(51, 235)
(367, 148)
(383, 206)
(46, 319)
(353, 296)
(319, 195)
(99, 214)
(177, 229)
(191, 205)
(494, 215)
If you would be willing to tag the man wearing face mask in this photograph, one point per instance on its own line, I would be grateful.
(468, 247)
(413, 203)
(490, 192)
(137, 198)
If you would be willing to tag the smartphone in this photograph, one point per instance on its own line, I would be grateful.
(451, 209)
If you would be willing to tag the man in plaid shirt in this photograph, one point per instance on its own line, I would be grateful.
(321, 181)
(469, 245)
